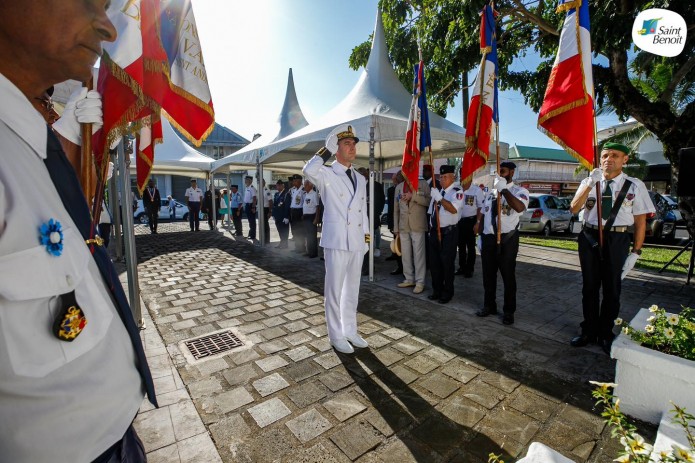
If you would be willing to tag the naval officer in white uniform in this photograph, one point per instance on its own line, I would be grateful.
(345, 235)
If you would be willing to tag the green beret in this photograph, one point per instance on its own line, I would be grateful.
(616, 146)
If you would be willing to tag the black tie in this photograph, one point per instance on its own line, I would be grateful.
(352, 179)
(494, 215)
(65, 181)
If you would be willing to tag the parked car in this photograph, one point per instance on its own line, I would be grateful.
(661, 225)
(545, 214)
(567, 202)
(181, 212)
(673, 207)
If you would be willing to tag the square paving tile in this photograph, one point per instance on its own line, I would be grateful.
(301, 371)
(270, 384)
(442, 435)
(328, 361)
(336, 380)
(356, 439)
(269, 412)
(299, 353)
(307, 393)
(499, 381)
(308, 425)
(155, 428)
(460, 371)
(186, 420)
(231, 400)
(388, 356)
(440, 385)
(377, 341)
(322, 345)
(344, 406)
(273, 346)
(409, 346)
(240, 375)
(271, 363)
(483, 393)
(422, 364)
(511, 423)
(404, 374)
(198, 449)
(462, 411)
(298, 338)
(533, 405)
(394, 333)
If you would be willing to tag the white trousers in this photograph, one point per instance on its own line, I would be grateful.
(341, 291)
(414, 257)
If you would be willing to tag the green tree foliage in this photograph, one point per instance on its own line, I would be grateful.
(657, 92)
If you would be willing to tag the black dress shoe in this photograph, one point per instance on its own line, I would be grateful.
(508, 319)
(433, 297)
(484, 312)
(444, 300)
(582, 340)
(398, 271)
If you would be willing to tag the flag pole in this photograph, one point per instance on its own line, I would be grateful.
(499, 194)
(599, 198)
(86, 173)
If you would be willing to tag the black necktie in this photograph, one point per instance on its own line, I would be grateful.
(65, 181)
(352, 179)
(494, 215)
(607, 201)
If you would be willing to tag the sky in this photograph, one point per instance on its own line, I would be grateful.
(249, 46)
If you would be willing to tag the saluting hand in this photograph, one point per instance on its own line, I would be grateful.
(596, 175)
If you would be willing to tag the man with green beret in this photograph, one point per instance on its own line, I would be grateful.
(625, 204)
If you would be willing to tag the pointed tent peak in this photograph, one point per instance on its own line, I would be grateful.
(291, 117)
(378, 56)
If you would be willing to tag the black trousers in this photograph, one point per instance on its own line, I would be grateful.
(266, 223)
(194, 215)
(127, 450)
(251, 217)
(467, 244)
(297, 229)
(105, 233)
(153, 217)
(442, 260)
(236, 218)
(600, 272)
(283, 231)
(311, 235)
(505, 262)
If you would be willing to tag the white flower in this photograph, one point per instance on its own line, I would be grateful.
(600, 384)
(623, 459)
(673, 319)
(651, 319)
(649, 328)
(636, 444)
(669, 333)
(618, 321)
(654, 308)
(626, 330)
(682, 454)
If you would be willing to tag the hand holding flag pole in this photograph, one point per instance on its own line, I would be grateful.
(86, 161)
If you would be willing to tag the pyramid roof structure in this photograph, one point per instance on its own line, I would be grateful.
(378, 100)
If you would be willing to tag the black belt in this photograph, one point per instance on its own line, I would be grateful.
(447, 229)
(618, 229)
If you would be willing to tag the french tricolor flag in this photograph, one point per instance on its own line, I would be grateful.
(567, 113)
(483, 114)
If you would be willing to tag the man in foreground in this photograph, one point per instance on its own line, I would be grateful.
(345, 235)
(72, 366)
(625, 204)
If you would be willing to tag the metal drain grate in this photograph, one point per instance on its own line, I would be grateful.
(213, 344)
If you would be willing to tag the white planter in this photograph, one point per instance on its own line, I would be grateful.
(648, 381)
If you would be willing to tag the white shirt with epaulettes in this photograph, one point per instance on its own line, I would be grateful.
(509, 218)
(636, 202)
(454, 195)
(297, 198)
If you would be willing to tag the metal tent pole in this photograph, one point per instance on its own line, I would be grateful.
(129, 236)
(115, 206)
(371, 203)
(260, 209)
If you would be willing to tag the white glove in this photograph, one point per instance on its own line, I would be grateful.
(595, 176)
(500, 183)
(285, 221)
(332, 140)
(629, 264)
(436, 195)
(109, 172)
(82, 107)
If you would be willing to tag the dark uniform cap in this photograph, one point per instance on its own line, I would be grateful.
(194, 180)
(249, 177)
(290, 178)
(508, 164)
(446, 169)
(616, 146)
(235, 186)
(279, 182)
(296, 177)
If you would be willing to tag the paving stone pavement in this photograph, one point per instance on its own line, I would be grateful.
(437, 383)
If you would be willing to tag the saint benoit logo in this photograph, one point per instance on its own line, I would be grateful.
(661, 32)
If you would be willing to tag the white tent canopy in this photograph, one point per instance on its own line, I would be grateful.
(173, 156)
(289, 121)
(378, 100)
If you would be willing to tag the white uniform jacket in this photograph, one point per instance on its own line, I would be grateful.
(345, 219)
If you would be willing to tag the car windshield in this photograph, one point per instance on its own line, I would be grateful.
(533, 202)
